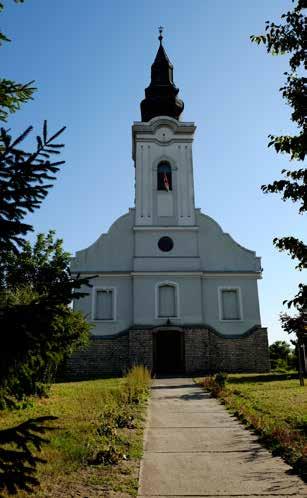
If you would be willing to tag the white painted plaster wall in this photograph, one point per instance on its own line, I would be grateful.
(250, 303)
(189, 288)
(112, 251)
(203, 258)
(220, 252)
(163, 139)
(124, 306)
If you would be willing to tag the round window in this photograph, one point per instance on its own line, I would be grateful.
(165, 244)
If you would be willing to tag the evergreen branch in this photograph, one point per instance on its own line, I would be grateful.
(25, 179)
(22, 137)
(13, 95)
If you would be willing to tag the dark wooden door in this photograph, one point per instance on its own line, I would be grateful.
(169, 352)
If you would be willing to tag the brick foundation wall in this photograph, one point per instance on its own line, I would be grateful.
(205, 351)
(196, 348)
(249, 353)
(141, 348)
(102, 357)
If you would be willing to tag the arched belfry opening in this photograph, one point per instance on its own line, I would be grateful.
(164, 176)
(168, 351)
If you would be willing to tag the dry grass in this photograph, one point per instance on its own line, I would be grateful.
(82, 409)
(274, 406)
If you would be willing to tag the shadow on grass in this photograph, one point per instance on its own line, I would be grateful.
(272, 377)
(17, 460)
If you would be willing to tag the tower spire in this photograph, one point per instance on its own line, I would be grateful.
(161, 94)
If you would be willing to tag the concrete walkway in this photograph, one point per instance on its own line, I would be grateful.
(194, 448)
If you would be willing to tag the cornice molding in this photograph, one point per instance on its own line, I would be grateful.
(165, 228)
(200, 274)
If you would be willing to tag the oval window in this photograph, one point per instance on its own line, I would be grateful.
(165, 244)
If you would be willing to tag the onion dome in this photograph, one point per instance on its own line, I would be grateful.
(161, 95)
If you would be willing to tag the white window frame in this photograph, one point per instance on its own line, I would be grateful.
(114, 294)
(177, 301)
(220, 303)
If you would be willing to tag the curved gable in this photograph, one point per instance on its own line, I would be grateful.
(112, 251)
(220, 252)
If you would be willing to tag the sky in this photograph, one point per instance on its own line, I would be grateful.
(91, 62)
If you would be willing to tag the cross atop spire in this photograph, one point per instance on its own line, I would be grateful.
(160, 34)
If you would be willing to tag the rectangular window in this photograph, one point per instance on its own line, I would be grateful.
(167, 301)
(104, 304)
(230, 304)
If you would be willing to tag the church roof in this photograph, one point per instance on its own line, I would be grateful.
(161, 94)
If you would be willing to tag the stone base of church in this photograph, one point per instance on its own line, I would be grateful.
(203, 350)
(103, 357)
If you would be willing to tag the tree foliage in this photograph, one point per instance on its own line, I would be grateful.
(12, 94)
(37, 267)
(25, 179)
(37, 324)
(3, 37)
(38, 327)
(289, 37)
(282, 355)
(37, 289)
(37, 337)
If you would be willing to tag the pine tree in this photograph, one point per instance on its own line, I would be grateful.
(12, 94)
(37, 325)
(25, 179)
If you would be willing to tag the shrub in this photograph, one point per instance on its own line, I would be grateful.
(281, 366)
(215, 384)
(46, 334)
(38, 326)
(221, 378)
(110, 455)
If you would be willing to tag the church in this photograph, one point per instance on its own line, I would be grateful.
(171, 291)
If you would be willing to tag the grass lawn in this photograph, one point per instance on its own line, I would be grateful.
(77, 440)
(276, 407)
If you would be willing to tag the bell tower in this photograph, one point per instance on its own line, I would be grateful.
(162, 152)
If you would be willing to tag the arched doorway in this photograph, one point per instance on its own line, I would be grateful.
(169, 351)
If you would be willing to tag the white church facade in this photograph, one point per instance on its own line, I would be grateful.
(171, 290)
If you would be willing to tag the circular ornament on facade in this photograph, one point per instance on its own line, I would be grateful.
(165, 244)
